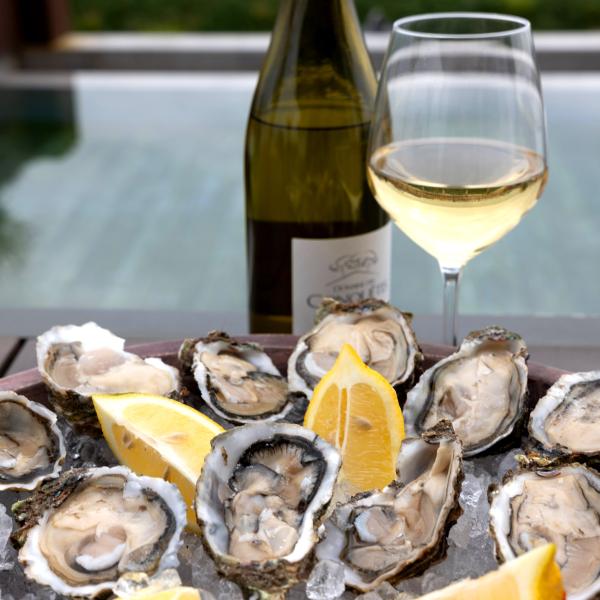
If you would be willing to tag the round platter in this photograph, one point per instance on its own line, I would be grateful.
(196, 568)
(279, 347)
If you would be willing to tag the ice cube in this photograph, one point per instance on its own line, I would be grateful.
(326, 581)
(473, 523)
(6, 525)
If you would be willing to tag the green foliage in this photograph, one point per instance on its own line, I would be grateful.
(257, 15)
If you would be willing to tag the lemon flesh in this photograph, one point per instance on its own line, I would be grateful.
(158, 437)
(532, 576)
(355, 409)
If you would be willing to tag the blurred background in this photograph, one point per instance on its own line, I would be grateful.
(121, 170)
(258, 15)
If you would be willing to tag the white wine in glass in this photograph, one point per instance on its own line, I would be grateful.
(457, 146)
(449, 209)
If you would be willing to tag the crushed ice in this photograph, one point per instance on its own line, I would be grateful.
(470, 549)
(86, 451)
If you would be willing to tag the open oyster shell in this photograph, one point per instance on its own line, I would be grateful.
(32, 447)
(80, 532)
(561, 506)
(399, 531)
(480, 389)
(237, 380)
(262, 492)
(78, 361)
(381, 334)
(565, 423)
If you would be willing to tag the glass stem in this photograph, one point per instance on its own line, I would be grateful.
(451, 277)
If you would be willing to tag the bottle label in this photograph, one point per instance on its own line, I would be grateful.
(348, 269)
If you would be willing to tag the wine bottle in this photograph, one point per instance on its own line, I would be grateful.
(313, 226)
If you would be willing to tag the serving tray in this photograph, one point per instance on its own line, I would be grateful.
(196, 568)
(279, 347)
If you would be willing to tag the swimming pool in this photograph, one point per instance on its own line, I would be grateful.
(124, 192)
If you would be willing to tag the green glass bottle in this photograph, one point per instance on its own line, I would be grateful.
(313, 226)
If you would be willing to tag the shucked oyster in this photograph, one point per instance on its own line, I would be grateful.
(78, 361)
(400, 530)
(561, 506)
(480, 389)
(260, 496)
(565, 423)
(82, 531)
(380, 333)
(237, 380)
(31, 444)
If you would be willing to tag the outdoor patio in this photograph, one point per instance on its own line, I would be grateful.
(361, 460)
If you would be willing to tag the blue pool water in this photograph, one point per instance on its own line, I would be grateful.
(125, 191)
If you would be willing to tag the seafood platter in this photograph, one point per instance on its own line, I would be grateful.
(499, 456)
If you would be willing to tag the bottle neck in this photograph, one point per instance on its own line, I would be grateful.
(313, 31)
(317, 57)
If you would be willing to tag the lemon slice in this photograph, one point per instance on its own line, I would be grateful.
(532, 576)
(158, 437)
(354, 408)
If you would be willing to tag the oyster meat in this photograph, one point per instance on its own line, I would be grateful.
(381, 334)
(237, 380)
(31, 444)
(259, 499)
(82, 531)
(480, 389)
(399, 531)
(560, 506)
(78, 361)
(565, 423)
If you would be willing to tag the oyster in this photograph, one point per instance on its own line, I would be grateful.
(237, 380)
(481, 389)
(399, 531)
(260, 496)
(380, 333)
(82, 531)
(560, 506)
(31, 445)
(565, 422)
(78, 361)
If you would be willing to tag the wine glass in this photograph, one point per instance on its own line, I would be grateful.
(457, 150)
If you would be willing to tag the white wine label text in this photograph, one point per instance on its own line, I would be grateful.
(347, 269)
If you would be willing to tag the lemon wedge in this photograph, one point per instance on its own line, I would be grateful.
(355, 409)
(532, 576)
(159, 437)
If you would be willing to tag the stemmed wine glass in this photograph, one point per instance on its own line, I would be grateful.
(457, 146)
